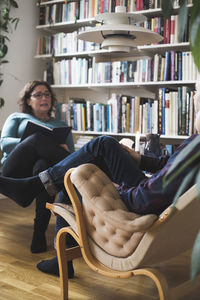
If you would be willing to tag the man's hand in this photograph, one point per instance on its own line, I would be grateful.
(136, 156)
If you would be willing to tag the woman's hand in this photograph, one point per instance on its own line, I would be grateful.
(65, 147)
(135, 155)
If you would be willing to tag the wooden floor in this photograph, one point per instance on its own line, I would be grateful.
(20, 279)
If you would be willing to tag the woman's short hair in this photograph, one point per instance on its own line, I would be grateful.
(26, 92)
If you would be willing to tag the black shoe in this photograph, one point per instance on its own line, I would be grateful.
(50, 266)
(39, 243)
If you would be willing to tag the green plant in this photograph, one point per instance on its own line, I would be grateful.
(194, 23)
(6, 24)
(187, 156)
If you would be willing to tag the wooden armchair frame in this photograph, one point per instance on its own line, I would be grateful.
(79, 232)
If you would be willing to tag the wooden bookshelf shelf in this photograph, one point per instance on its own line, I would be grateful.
(44, 3)
(157, 12)
(178, 138)
(150, 51)
(166, 84)
(66, 26)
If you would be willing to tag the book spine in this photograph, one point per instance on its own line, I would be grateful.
(179, 65)
(167, 66)
(83, 117)
(137, 110)
(163, 110)
(183, 110)
(179, 110)
(172, 55)
(187, 114)
(128, 117)
(155, 117)
(132, 115)
(167, 114)
(74, 116)
(160, 111)
(172, 29)
(123, 114)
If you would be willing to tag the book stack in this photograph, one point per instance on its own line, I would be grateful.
(171, 114)
(70, 11)
(176, 111)
(68, 42)
(82, 140)
(175, 65)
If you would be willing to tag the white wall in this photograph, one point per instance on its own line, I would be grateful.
(22, 66)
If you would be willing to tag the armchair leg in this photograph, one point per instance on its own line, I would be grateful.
(64, 255)
(159, 280)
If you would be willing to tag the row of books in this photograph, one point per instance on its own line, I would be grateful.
(60, 12)
(45, 45)
(80, 141)
(172, 113)
(83, 9)
(152, 4)
(72, 71)
(176, 111)
(61, 43)
(99, 117)
(172, 66)
(70, 11)
(168, 28)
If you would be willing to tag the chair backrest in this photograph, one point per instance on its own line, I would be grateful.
(175, 231)
(108, 221)
(111, 227)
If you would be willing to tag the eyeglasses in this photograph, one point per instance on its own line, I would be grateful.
(40, 95)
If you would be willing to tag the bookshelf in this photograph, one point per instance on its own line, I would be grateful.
(98, 91)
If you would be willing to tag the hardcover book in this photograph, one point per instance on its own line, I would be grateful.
(59, 134)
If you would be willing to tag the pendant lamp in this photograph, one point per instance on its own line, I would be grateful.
(119, 32)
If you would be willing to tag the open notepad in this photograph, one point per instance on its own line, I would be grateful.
(59, 134)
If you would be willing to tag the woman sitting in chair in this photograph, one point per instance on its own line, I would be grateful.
(35, 153)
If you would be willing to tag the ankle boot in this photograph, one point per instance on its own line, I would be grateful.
(38, 243)
(41, 222)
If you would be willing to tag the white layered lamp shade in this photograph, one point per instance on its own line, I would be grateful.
(118, 32)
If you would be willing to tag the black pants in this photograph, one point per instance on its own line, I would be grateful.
(39, 152)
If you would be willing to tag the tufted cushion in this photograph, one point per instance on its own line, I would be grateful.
(109, 224)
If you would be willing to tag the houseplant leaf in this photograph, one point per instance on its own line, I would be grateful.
(1, 102)
(14, 3)
(185, 184)
(194, 21)
(5, 27)
(178, 164)
(195, 258)
(182, 20)
(197, 180)
(195, 32)
(3, 51)
(3, 62)
(167, 7)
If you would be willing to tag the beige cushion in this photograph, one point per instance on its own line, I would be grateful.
(109, 224)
